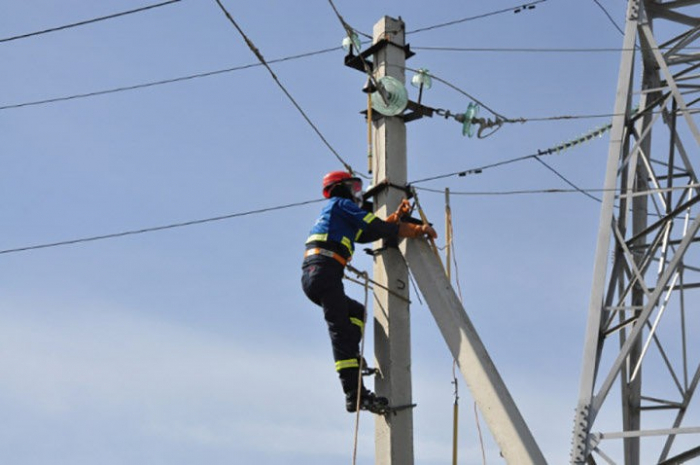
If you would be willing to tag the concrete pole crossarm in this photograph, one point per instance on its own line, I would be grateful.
(488, 389)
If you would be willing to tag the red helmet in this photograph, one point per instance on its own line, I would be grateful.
(335, 177)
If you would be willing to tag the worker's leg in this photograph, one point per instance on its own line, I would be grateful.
(345, 319)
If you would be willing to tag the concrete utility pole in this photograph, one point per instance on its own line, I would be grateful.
(392, 328)
(394, 432)
(649, 224)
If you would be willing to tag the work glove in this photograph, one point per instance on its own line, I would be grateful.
(416, 230)
(404, 209)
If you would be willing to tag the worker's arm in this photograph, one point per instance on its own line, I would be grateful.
(378, 229)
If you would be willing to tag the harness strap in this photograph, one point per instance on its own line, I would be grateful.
(326, 253)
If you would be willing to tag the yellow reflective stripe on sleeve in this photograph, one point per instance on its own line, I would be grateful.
(358, 322)
(368, 218)
(347, 243)
(343, 364)
(357, 236)
(317, 237)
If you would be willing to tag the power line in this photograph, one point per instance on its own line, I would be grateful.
(257, 53)
(471, 171)
(510, 192)
(535, 156)
(504, 118)
(523, 49)
(346, 26)
(459, 90)
(563, 178)
(158, 228)
(164, 81)
(614, 23)
(660, 190)
(89, 21)
(515, 9)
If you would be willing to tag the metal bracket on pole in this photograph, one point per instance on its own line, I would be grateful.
(386, 184)
(358, 61)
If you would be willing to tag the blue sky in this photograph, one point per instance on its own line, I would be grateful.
(195, 344)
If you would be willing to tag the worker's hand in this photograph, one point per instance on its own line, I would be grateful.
(403, 210)
(429, 231)
(416, 230)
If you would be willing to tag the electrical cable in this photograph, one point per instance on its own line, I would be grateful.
(515, 9)
(349, 30)
(257, 53)
(457, 89)
(89, 21)
(609, 17)
(158, 228)
(473, 170)
(563, 178)
(523, 49)
(506, 162)
(512, 192)
(505, 119)
(502, 118)
(167, 81)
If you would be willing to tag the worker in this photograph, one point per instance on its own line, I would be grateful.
(328, 249)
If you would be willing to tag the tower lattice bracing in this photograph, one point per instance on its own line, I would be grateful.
(642, 346)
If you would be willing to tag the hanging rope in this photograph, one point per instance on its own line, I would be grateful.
(481, 437)
(369, 132)
(448, 256)
(449, 250)
(455, 414)
(359, 373)
(426, 222)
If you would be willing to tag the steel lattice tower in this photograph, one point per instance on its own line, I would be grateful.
(642, 340)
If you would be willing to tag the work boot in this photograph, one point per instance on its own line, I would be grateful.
(368, 401)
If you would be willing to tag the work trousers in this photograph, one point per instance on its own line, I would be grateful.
(322, 282)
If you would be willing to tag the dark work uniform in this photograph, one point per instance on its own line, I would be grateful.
(328, 248)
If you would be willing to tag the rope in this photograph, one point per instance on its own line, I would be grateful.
(449, 246)
(369, 132)
(426, 222)
(481, 437)
(448, 256)
(455, 414)
(359, 374)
